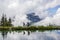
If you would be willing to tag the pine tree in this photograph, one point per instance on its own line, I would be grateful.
(10, 22)
(2, 20)
(5, 22)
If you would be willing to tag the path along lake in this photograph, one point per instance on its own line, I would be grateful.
(30, 35)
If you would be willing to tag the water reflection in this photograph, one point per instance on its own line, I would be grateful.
(3, 34)
(28, 32)
(30, 35)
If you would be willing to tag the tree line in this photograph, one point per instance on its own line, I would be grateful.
(5, 22)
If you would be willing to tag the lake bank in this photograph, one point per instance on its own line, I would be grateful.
(30, 28)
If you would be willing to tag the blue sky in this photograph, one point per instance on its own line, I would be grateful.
(53, 10)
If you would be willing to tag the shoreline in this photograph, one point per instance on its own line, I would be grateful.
(30, 28)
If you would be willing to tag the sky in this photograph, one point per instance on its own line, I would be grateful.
(48, 10)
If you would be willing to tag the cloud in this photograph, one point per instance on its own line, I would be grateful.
(19, 9)
(54, 20)
(56, 17)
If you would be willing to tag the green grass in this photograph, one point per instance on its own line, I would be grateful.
(30, 28)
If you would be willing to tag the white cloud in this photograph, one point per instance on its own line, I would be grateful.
(53, 4)
(51, 20)
(20, 8)
(12, 5)
(45, 22)
(56, 17)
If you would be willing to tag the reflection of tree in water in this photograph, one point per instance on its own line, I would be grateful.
(28, 32)
(23, 32)
(4, 34)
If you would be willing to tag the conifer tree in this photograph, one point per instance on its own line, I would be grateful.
(9, 22)
(4, 22)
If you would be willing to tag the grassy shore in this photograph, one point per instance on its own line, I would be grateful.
(31, 28)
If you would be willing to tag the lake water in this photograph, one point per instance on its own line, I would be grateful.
(30, 35)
